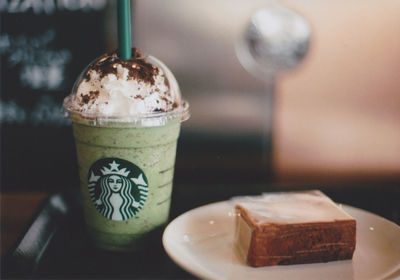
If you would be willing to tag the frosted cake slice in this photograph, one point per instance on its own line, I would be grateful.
(293, 228)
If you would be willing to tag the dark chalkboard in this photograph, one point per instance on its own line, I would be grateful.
(44, 45)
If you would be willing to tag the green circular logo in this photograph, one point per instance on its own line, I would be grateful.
(118, 188)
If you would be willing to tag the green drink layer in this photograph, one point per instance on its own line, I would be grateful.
(151, 150)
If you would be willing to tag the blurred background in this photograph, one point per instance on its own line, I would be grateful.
(332, 120)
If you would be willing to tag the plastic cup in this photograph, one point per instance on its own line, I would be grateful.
(126, 168)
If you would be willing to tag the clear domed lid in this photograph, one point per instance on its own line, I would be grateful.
(142, 90)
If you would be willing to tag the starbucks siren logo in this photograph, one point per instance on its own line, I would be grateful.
(117, 187)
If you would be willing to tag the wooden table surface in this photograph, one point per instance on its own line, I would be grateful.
(78, 260)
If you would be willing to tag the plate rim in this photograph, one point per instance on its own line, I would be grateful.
(172, 256)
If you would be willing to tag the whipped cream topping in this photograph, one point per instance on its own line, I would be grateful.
(111, 87)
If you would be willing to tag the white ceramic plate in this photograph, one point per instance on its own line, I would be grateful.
(201, 242)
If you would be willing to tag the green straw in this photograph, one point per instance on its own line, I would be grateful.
(124, 29)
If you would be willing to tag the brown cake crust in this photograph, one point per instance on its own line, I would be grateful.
(298, 243)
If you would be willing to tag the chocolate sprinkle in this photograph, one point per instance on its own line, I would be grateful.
(158, 110)
(91, 96)
(138, 68)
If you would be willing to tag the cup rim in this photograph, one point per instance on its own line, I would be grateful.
(148, 119)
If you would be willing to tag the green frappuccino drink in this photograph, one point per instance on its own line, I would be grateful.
(126, 118)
